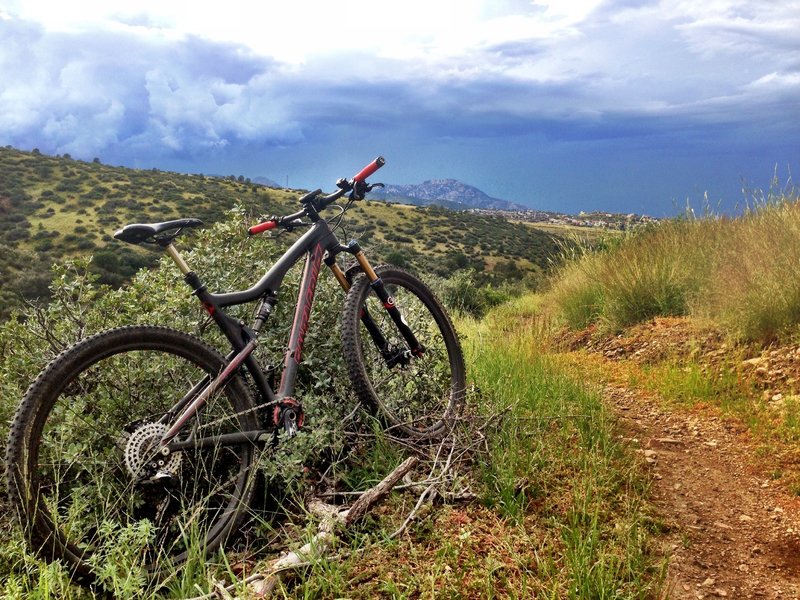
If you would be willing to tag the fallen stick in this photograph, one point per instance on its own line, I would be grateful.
(261, 585)
(373, 495)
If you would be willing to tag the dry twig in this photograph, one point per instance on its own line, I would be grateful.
(261, 585)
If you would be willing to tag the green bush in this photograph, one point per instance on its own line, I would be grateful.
(227, 259)
(462, 294)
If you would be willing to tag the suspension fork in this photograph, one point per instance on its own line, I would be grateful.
(366, 318)
(376, 283)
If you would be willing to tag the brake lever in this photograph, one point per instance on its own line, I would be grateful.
(362, 188)
(291, 225)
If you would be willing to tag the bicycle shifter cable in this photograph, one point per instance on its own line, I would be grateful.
(340, 218)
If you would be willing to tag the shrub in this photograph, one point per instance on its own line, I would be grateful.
(461, 293)
(754, 289)
(225, 257)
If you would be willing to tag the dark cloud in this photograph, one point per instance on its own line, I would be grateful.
(621, 88)
(84, 93)
(88, 92)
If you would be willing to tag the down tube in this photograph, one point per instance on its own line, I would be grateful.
(300, 325)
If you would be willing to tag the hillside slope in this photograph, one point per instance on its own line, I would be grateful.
(52, 208)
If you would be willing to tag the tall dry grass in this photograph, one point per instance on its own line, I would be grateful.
(742, 273)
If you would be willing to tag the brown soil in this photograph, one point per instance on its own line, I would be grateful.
(731, 529)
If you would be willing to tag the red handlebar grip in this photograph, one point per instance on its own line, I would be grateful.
(262, 227)
(370, 169)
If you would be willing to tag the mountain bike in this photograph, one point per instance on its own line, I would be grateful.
(150, 432)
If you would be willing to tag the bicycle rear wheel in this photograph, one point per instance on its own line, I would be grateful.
(83, 435)
(416, 396)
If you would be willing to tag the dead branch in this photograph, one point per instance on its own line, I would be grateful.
(440, 480)
(261, 585)
(429, 490)
(361, 506)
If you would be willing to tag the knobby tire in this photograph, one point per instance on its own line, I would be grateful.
(418, 400)
(84, 424)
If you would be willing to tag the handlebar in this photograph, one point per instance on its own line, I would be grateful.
(357, 185)
(271, 224)
(288, 221)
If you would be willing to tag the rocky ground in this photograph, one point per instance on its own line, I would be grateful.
(732, 528)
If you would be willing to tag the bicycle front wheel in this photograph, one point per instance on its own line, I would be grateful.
(417, 396)
(83, 438)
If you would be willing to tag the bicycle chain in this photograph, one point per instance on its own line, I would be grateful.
(265, 405)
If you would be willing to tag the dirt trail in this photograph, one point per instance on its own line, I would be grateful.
(732, 533)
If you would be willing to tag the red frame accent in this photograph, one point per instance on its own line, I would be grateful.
(302, 313)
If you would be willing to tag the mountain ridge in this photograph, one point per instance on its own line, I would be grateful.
(54, 208)
(450, 193)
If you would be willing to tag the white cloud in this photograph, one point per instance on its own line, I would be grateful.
(297, 31)
(776, 81)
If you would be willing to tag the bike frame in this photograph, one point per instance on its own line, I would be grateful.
(318, 245)
(313, 245)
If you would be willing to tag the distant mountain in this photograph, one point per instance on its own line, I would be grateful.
(449, 193)
(266, 182)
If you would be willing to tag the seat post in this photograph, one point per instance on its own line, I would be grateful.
(176, 256)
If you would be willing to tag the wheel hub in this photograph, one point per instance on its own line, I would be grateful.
(140, 457)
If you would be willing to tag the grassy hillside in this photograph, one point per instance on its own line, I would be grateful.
(704, 311)
(741, 274)
(56, 207)
(561, 508)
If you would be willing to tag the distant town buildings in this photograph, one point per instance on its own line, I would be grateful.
(582, 219)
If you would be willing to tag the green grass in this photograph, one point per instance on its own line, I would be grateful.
(555, 458)
(563, 510)
(740, 273)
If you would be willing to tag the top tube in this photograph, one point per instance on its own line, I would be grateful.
(320, 232)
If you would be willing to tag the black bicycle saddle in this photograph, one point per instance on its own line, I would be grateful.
(150, 233)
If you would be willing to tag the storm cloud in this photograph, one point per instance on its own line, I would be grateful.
(662, 81)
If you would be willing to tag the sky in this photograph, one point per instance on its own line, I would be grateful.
(612, 105)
